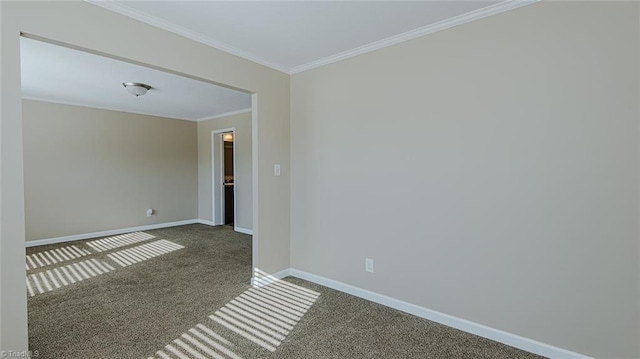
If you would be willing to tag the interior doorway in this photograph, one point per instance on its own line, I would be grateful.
(223, 159)
(20, 298)
(228, 181)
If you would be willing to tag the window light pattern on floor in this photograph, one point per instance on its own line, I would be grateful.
(199, 342)
(58, 273)
(266, 313)
(62, 276)
(143, 252)
(54, 256)
(263, 315)
(109, 243)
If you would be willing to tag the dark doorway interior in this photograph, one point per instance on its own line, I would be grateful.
(228, 179)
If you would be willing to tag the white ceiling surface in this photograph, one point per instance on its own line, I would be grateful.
(59, 74)
(292, 36)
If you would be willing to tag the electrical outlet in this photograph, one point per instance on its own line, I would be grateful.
(368, 265)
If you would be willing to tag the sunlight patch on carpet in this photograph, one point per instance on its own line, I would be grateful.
(198, 342)
(55, 256)
(143, 252)
(63, 276)
(264, 315)
(109, 243)
(58, 273)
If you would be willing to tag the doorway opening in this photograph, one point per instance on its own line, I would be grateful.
(253, 153)
(183, 98)
(223, 158)
(229, 188)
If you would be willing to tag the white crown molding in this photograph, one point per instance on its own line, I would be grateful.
(71, 103)
(226, 114)
(77, 237)
(468, 326)
(409, 35)
(195, 36)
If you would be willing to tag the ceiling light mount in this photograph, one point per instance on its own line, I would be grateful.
(136, 88)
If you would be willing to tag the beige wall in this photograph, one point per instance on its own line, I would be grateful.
(243, 181)
(88, 170)
(90, 27)
(490, 170)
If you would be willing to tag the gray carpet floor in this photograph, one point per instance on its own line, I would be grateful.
(183, 300)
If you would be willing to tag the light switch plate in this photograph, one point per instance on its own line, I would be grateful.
(276, 169)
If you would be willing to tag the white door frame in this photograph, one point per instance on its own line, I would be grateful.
(219, 186)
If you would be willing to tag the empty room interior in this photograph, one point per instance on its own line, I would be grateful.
(330, 179)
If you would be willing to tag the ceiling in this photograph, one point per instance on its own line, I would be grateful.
(58, 74)
(289, 36)
(293, 36)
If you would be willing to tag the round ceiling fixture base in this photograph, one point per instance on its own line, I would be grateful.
(136, 88)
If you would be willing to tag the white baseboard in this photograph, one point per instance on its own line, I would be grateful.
(262, 280)
(204, 221)
(243, 230)
(449, 320)
(77, 237)
(235, 228)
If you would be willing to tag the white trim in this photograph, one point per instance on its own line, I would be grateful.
(77, 237)
(214, 186)
(235, 228)
(189, 34)
(243, 230)
(513, 340)
(206, 222)
(235, 172)
(421, 31)
(262, 281)
(226, 114)
(213, 180)
(223, 190)
(425, 30)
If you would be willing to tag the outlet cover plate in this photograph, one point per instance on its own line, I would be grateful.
(368, 265)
